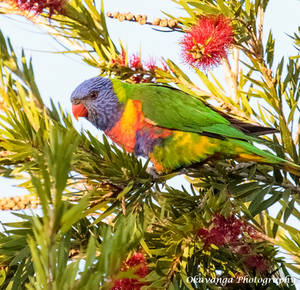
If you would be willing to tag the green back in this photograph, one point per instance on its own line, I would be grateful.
(173, 109)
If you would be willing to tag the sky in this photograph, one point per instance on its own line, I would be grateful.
(57, 75)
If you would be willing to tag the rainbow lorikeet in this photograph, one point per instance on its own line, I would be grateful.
(174, 129)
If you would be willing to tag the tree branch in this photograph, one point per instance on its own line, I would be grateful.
(286, 185)
(231, 75)
(260, 20)
(142, 19)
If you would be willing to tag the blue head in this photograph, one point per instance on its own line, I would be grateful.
(95, 99)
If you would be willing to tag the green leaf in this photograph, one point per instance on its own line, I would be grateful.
(290, 229)
(265, 204)
(258, 199)
(270, 49)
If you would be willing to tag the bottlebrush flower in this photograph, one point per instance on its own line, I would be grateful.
(164, 65)
(137, 262)
(135, 61)
(121, 59)
(150, 64)
(137, 79)
(234, 234)
(38, 6)
(207, 42)
(227, 231)
(257, 262)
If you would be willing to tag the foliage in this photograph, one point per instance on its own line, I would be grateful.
(99, 205)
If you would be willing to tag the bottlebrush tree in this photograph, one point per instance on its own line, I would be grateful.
(104, 221)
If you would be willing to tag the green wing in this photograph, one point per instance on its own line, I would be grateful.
(173, 109)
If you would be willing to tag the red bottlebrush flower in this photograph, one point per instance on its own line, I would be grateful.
(216, 237)
(164, 65)
(38, 6)
(146, 80)
(135, 61)
(242, 249)
(138, 259)
(230, 231)
(137, 79)
(126, 284)
(234, 234)
(257, 262)
(207, 42)
(150, 64)
(203, 232)
(139, 263)
(121, 59)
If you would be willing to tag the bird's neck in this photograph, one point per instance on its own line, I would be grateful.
(121, 89)
(106, 112)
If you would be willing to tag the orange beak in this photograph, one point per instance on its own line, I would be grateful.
(79, 111)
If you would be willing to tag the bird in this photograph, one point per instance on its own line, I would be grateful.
(173, 129)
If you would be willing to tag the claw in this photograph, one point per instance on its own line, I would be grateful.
(152, 171)
(160, 178)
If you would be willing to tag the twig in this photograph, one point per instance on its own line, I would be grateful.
(231, 77)
(19, 202)
(262, 222)
(171, 271)
(240, 166)
(123, 205)
(160, 30)
(261, 178)
(235, 67)
(260, 20)
(203, 201)
(142, 19)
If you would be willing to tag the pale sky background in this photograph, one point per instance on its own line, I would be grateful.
(57, 75)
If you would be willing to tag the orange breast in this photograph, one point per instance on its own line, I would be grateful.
(132, 121)
(124, 131)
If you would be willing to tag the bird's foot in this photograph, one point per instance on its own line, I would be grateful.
(156, 176)
(183, 171)
(152, 171)
(159, 177)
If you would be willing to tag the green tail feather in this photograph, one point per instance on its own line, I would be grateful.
(291, 167)
(255, 154)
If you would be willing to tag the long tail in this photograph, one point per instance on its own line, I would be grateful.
(291, 167)
(252, 153)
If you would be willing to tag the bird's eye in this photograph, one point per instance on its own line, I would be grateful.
(76, 102)
(93, 95)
